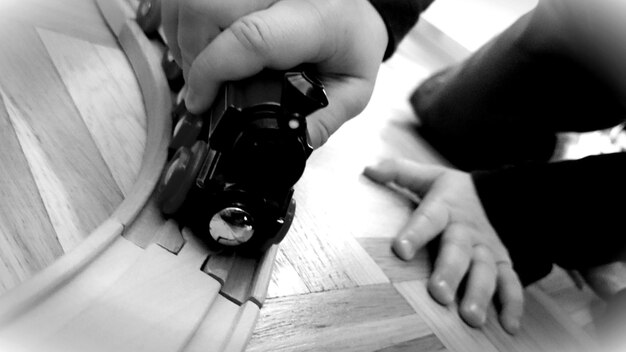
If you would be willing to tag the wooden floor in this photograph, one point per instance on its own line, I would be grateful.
(73, 136)
(73, 124)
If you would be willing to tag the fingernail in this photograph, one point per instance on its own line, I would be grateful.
(445, 292)
(512, 325)
(190, 101)
(478, 313)
(403, 249)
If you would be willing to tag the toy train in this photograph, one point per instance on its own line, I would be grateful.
(231, 173)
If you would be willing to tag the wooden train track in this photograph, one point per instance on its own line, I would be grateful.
(138, 282)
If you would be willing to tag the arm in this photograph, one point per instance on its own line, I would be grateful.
(399, 17)
(559, 213)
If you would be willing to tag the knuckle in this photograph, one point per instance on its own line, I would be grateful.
(431, 215)
(252, 33)
(458, 235)
(484, 256)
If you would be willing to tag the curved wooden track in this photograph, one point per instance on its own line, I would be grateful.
(138, 283)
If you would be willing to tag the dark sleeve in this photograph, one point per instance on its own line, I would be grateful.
(399, 17)
(568, 213)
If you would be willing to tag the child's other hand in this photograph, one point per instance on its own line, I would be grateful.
(469, 248)
(216, 41)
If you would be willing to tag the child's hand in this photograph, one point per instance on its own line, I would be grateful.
(470, 247)
(216, 41)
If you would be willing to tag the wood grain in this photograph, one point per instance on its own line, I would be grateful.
(325, 258)
(26, 296)
(116, 122)
(217, 326)
(428, 343)
(242, 330)
(69, 300)
(338, 320)
(444, 321)
(539, 332)
(155, 306)
(285, 280)
(27, 244)
(76, 18)
(398, 270)
(73, 179)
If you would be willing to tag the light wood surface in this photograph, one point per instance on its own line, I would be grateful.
(83, 161)
(134, 284)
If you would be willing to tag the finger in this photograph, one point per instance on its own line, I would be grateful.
(427, 221)
(272, 38)
(416, 177)
(511, 296)
(451, 265)
(197, 27)
(347, 97)
(201, 21)
(480, 287)
(169, 22)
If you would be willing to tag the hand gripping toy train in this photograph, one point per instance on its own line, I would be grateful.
(231, 173)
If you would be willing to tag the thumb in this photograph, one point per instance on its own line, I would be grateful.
(279, 37)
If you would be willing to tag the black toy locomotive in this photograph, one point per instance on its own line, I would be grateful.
(231, 173)
(231, 177)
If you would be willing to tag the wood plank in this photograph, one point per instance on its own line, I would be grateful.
(285, 280)
(116, 13)
(540, 330)
(73, 179)
(325, 258)
(77, 18)
(219, 265)
(105, 91)
(242, 331)
(33, 291)
(216, 327)
(146, 64)
(142, 231)
(262, 276)
(444, 321)
(170, 238)
(60, 208)
(156, 305)
(428, 343)
(238, 283)
(398, 270)
(57, 307)
(364, 318)
(28, 242)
